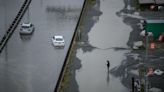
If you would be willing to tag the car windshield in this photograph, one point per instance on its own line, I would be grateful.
(59, 39)
(25, 26)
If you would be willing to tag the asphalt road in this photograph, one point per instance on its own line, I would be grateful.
(8, 13)
(31, 63)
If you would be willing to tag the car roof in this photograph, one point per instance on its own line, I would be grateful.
(58, 36)
(26, 24)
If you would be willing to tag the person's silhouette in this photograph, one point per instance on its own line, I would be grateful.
(108, 64)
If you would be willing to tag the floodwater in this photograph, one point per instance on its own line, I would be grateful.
(94, 76)
(109, 32)
(31, 63)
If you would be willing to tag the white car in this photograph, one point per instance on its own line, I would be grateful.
(137, 45)
(158, 72)
(58, 41)
(27, 28)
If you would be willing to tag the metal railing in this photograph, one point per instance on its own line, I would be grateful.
(14, 24)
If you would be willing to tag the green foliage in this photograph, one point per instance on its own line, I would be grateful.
(142, 87)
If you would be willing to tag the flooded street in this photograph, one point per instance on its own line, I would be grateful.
(109, 32)
(93, 76)
(30, 63)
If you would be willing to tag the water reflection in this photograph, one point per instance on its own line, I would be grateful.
(25, 37)
(63, 12)
(62, 9)
(108, 78)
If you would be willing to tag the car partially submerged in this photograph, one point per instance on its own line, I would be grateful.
(58, 41)
(26, 28)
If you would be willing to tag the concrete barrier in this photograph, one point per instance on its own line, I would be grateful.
(61, 76)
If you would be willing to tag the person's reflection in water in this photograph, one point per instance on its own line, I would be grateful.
(108, 65)
(108, 78)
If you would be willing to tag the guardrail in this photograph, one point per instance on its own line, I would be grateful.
(61, 76)
(14, 24)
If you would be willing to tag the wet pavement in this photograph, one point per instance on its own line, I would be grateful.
(8, 13)
(108, 33)
(31, 63)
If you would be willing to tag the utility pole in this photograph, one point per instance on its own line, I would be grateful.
(146, 45)
(146, 58)
(132, 84)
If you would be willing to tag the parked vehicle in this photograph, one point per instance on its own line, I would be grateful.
(138, 45)
(158, 72)
(26, 28)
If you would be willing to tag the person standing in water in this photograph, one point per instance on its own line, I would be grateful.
(108, 64)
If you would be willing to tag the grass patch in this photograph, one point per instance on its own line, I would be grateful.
(67, 72)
